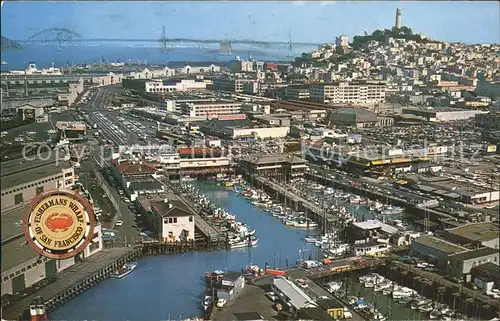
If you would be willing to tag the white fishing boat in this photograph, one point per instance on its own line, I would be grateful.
(334, 286)
(354, 199)
(391, 210)
(310, 239)
(328, 191)
(207, 301)
(125, 270)
(188, 178)
(245, 243)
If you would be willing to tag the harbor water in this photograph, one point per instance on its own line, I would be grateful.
(166, 287)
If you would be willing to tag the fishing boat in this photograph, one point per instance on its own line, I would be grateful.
(355, 199)
(125, 270)
(334, 286)
(391, 210)
(188, 178)
(310, 239)
(207, 301)
(246, 243)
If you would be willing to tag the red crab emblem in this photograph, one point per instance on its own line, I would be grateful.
(59, 222)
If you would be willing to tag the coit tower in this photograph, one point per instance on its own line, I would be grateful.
(398, 18)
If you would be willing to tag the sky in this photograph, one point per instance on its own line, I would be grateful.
(308, 21)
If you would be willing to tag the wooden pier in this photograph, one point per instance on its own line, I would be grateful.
(434, 286)
(295, 201)
(411, 208)
(75, 280)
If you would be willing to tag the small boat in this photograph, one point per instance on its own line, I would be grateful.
(188, 179)
(334, 286)
(369, 284)
(310, 239)
(125, 270)
(425, 308)
(245, 243)
(391, 210)
(207, 301)
(435, 315)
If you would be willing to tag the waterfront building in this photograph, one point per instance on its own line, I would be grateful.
(313, 314)
(460, 264)
(283, 167)
(359, 93)
(475, 234)
(435, 250)
(293, 297)
(170, 219)
(333, 307)
(23, 180)
(22, 267)
(370, 247)
(232, 284)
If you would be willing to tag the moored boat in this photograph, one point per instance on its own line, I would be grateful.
(125, 270)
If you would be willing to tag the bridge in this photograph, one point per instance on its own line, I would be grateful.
(60, 36)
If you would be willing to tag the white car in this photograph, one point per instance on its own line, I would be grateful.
(118, 223)
(272, 296)
(221, 303)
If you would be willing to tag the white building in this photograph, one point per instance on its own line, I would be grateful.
(159, 86)
(175, 222)
(360, 93)
(211, 108)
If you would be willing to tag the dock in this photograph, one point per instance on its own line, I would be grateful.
(295, 201)
(436, 287)
(411, 208)
(75, 280)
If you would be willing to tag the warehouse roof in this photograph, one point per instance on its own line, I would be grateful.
(477, 231)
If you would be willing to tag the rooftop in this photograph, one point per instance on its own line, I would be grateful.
(270, 159)
(314, 314)
(477, 231)
(475, 254)
(440, 244)
(297, 297)
(16, 172)
(15, 253)
(171, 208)
(353, 114)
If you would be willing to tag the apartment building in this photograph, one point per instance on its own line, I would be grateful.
(210, 108)
(360, 93)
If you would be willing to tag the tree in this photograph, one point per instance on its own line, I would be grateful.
(378, 33)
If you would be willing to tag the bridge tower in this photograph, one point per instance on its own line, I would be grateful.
(225, 47)
(163, 41)
(290, 46)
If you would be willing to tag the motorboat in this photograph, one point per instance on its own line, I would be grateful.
(246, 243)
(125, 270)
(207, 301)
(334, 286)
(310, 239)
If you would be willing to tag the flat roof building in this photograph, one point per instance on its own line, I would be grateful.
(476, 234)
(22, 180)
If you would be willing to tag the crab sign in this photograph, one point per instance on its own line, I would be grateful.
(59, 222)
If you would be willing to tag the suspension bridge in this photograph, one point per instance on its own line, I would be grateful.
(62, 36)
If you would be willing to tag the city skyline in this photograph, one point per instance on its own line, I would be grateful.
(471, 22)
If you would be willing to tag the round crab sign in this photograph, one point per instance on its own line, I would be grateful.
(59, 224)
